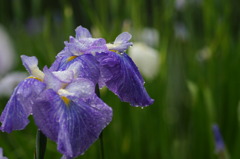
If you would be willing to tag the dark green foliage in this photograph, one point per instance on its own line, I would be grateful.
(198, 82)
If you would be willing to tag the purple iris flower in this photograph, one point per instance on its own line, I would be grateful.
(219, 143)
(63, 103)
(117, 70)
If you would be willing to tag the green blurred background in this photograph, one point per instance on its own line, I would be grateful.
(198, 81)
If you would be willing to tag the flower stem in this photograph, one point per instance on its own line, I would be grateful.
(97, 91)
(41, 142)
(101, 145)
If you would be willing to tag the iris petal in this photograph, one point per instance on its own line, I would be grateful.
(121, 76)
(88, 66)
(87, 122)
(82, 32)
(31, 64)
(81, 87)
(123, 38)
(19, 107)
(121, 43)
(74, 127)
(46, 113)
(56, 82)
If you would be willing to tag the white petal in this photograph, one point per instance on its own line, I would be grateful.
(10, 81)
(6, 52)
(146, 58)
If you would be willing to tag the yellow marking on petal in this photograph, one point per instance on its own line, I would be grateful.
(34, 78)
(113, 50)
(71, 58)
(66, 100)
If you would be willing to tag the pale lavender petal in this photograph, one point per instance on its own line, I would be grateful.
(82, 32)
(65, 76)
(123, 38)
(53, 81)
(83, 46)
(121, 43)
(65, 52)
(19, 107)
(29, 62)
(122, 77)
(81, 87)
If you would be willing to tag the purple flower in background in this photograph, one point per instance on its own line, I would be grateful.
(1, 154)
(64, 106)
(219, 143)
(117, 70)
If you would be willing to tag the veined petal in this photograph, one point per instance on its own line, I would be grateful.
(83, 44)
(75, 126)
(56, 81)
(87, 122)
(86, 45)
(65, 76)
(85, 66)
(65, 52)
(81, 87)
(46, 113)
(82, 32)
(122, 77)
(57, 63)
(90, 69)
(31, 64)
(19, 107)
